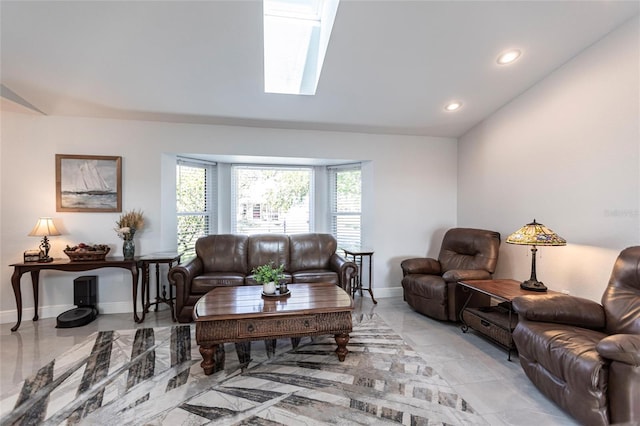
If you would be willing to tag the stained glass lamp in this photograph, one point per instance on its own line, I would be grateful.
(535, 234)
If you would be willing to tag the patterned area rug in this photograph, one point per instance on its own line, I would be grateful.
(153, 376)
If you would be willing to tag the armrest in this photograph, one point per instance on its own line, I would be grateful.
(455, 275)
(560, 308)
(621, 347)
(421, 265)
(181, 276)
(345, 270)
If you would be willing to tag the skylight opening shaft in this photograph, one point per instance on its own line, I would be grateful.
(296, 36)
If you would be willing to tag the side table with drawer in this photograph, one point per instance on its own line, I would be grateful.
(495, 322)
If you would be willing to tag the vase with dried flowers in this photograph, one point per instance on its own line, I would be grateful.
(129, 223)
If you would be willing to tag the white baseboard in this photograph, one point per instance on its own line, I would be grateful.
(52, 311)
(381, 293)
(11, 316)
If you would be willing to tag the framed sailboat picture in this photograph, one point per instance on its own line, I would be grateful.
(88, 183)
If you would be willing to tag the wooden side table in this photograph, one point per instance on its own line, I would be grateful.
(145, 263)
(498, 321)
(358, 255)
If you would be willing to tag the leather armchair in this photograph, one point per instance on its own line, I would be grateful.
(583, 355)
(430, 285)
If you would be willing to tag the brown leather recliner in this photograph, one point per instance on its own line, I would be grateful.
(583, 355)
(430, 286)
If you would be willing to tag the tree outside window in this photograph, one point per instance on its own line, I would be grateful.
(272, 199)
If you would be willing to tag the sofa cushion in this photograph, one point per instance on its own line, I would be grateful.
(263, 249)
(210, 280)
(223, 253)
(250, 279)
(311, 251)
(314, 276)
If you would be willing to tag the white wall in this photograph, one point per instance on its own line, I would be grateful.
(403, 178)
(567, 153)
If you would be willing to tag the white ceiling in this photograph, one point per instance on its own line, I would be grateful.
(390, 67)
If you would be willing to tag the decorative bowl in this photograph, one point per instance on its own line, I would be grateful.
(97, 252)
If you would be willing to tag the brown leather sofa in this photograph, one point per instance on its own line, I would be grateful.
(227, 260)
(583, 355)
(430, 285)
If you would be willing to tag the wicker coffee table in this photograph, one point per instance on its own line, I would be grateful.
(242, 314)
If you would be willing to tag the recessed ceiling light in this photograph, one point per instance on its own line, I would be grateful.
(453, 106)
(508, 56)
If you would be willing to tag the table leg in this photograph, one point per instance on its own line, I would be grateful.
(342, 340)
(134, 284)
(212, 358)
(243, 349)
(371, 279)
(270, 347)
(35, 279)
(372, 298)
(157, 288)
(145, 290)
(173, 309)
(15, 283)
(464, 327)
(147, 287)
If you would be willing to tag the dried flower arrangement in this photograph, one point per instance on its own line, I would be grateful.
(129, 223)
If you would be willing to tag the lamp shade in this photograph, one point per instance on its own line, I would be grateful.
(44, 228)
(536, 234)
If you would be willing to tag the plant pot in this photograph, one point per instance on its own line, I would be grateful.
(269, 288)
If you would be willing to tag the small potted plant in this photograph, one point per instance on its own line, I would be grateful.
(269, 276)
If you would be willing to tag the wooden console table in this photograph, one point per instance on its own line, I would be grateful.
(67, 265)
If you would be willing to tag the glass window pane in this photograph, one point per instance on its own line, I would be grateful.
(191, 185)
(190, 228)
(195, 203)
(272, 200)
(345, 189)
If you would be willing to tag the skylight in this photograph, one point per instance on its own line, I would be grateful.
(296, 36)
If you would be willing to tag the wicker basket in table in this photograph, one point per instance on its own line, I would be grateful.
(492, 322)
(86, 255)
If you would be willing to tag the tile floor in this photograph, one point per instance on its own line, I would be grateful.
(477, 369)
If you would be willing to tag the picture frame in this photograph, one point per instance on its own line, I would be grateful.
(88, 183)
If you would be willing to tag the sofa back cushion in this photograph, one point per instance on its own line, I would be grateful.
(223, 253)
(467, 248)
(621, 299)
(311, 251)
(268, 248)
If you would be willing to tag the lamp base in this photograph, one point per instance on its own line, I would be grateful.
(45, 259)
(533, 285)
